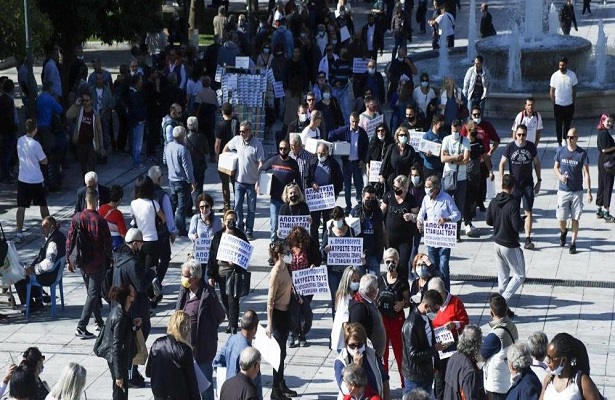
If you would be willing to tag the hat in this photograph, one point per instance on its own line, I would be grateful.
(133, 234)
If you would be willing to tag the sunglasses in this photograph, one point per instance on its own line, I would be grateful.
(521, 134)
(310, 99)
(355, 346)
(402, 135)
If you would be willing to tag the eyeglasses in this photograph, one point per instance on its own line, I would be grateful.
(321, 154)
(548, 358)
(521, 134)
(476, 115)
(206, 206)
(410, 116)
(571, 137)
(397, 188)
(355, 346)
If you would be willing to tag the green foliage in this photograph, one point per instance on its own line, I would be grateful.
(12, 29)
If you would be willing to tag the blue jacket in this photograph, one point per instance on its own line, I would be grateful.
(228, 357)
(433, 162)
(342, 134)
(527, 388)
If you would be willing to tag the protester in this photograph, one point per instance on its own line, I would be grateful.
(355, 380)
(372, 231)
(463, 376)
(348, 287)
(145, 210)
(525, 383)
(204, 224)
(537, 343)
(363, 308)
(114, 217)
(241, 386)
(71, 383)
(398, 158)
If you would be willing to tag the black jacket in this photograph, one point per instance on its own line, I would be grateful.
(171, 369)
(128, 268)
(419, 357)
(117, 343)
(377, 223)
(503, 214)
(47, 278)
(211, 315)
(213, 269)
(337, 179)
(104, 196)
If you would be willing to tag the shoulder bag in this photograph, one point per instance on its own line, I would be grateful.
(449, 177)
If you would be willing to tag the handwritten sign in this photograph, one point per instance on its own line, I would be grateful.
(287, 222)
(359, 65)
(415, 138)
(311, 280)
(374, 171)
(444, 336)
(323, 199)
(201, 249)
(345, 251)
(428, 145)
(371, 125)
(278, 89)
(234, 250)
(444, 235)
(242, 62)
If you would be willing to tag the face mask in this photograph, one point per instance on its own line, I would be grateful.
(185, 282)
(424, 84)
(80, 58)
(303, 117)
(303, 34)
(423, 272)
(288, 258)
(381, 138)
(294, 199)
(230, 224)
(321, 34)
(455, 135)
(326, 95)
(371, 71)
(354, 286)
(392, 267)
(355, 352)
(400, 58)
(428, 191)
(415, 180)
(477, 120)
(339, 224)
(403, 139)
(371, 23)
(431, 315)
(371, 203)
(266, 50)
(322, 159)
(558, 371)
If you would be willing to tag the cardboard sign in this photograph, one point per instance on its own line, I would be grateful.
(286, 223)
(372, 124)
(345, 251)
(323, 199)
(374, 171)
(444, 235)
(311, 145)
(444, 336)
(242, 62)
(311, 280)
(341, 148)
(415, 138)
(234, 250)
(201, 249)
(218, 77)
(428, 145)
(278, 89)
(359, 65)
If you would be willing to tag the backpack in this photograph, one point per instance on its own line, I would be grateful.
(165, 125)
(80, 253)
(386, 300)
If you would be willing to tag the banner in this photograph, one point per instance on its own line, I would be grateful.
(323, 199)
(345, 251)
(234, 250)
(359, 65)
(444, 235)
(201, 249)
(374, 171)
(372, 124)
(311, 280)
(287, 222)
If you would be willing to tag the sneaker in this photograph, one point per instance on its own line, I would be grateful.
(19, 238)
(528, 244)
(471, 231)
(562, 238)
(608, 218)
(250, 237)
(100, 327)
(599, 213)
(84, 334)
(292, 342)
(573, 249)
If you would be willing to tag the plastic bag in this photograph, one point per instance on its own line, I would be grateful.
(490, 189)
(11, 269)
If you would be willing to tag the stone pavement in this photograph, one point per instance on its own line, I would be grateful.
(563, 292)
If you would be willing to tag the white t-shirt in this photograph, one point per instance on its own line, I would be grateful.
(446, 24)
(533, 123)
(454, 147)
(422, 99)
(143, 213)
(307, 132)
(30, 155)
(563, 84)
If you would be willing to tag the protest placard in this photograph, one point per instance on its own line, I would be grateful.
(428, 145)
(234, 250)
(201, 249)
(359, 65)
(372, 124)
(218, 77)
(287, 222)
(267, 346)
(415, 138)
(374, 171)
(444, 336)
(344, 34)
(444, 235)
(322, 199)
(242, 62)
(311, 280)
(278, 89)
(345, 251)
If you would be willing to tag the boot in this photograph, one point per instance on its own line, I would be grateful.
(277, 394)
(286, 390)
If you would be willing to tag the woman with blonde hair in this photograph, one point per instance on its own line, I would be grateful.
(170, 364)
(451, 100)
(348, 287)
(398, 158)
(71, 383)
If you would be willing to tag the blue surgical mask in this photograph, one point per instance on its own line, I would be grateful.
(371, 71)
(455, 135)
(354, 286)
(558, 371)
(415, 180)
(431, 315)
(403, 139)
(339, 224)
(424, 84)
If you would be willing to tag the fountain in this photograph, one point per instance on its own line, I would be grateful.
(443, 58)
(472, 33)
(600, 56)
(533, 20)
(553, 20)
(514, 60)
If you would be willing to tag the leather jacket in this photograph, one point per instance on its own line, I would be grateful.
(117, 342)
(418, 360)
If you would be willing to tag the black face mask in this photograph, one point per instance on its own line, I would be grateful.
(294, 199)
(399, 192)
(369, 204)
(230, 224)
(392, 267)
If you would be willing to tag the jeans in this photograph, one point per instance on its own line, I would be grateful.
(180, 193)
(93, 282)
(352, 172)
(137, 143)
(7, 147)
(416, 243)
(459, 194)
(440, 256)
(411, 385)
(208, 370)
(230, 303)
(87, 157)
(563, 119)
(400, 41)
(341, 94)
(241, 190)
(274, 211)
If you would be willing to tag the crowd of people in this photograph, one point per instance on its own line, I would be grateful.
(407, 307)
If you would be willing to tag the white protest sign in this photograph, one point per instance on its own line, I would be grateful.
(287, 222)
(242, 62)
(345, 251)
(344, 34)
(234, 250)
(444, 235)
(201, 249)
(231, 81)
(415, 138)
(374, 171)
(444, 336)
(323, 199)
(428, 145)
(359, 65)
(268, 347)
(218, 76)
(311, 280)
(278, 89)
(372, 124)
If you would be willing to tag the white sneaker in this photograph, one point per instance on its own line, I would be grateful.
(469, 229)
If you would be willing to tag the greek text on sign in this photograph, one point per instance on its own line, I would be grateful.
(444, 235)
(374, 171)
(234, 250)
(428, 145)
(287, 222)
(323, 199)
(415, 138)
(311, 280)
(372, 124)
(201, 249)
(444, 336)
(359, 65)
(345, 251)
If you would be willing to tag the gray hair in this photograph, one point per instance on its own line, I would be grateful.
(436, 283)
(90, 176)
(368, 284)
(154, 172)
(537, 343)
(519, 357)
(194, 267)
(71, 383)
(179, 132)
(248, 358)
(402, 180)
(416, 394)
(246, 124)
(391, 253)
(470, 341)
(294, 138)
(354, 375)
(435, 181)
(192, 124)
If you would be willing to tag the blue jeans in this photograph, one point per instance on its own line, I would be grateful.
(411, 385)
(137, 143)
(440, 256)
(180, 193)
(352, 171)
(274, 211)
(208, 370)
(241, 190)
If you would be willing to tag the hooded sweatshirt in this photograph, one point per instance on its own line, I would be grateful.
(504, 215)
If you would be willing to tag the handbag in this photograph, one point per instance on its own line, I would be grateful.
(238, 283)
(161, 227)
(449, 177)
(11, 269)
(609, 165)
(141, 357)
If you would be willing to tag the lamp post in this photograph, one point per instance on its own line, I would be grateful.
(32, 86)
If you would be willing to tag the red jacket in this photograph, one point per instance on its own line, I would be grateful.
(368, 395)
(454, 311)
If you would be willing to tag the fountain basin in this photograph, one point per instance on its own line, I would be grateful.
(539, 58)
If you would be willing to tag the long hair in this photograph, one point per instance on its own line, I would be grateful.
(71, 383)
(344, 288)
(179, 327)
(572, 348)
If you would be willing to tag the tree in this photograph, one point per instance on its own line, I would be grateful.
(12, 29)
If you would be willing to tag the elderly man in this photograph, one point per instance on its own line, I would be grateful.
(364, 310)
(462, 373)
(525, 383)
(241, 386)
(196, 143)
(355, 379)
(181, 178)
(52, 250)
(439, 207)
(303, 157)
(199, 300)
(91, 182)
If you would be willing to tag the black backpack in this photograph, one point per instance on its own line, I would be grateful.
(80, 253)
(386, 300)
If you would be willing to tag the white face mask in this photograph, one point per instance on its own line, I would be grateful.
(429, 191)
(355, 352)
(339, 224)
(431, 315)
(455, 135)
(288, 258)
(416, 180)
(326, 95)
(477, 120)
(371, 71)
(558, 371)
(403, 139)
(322, 159)
(303, 117)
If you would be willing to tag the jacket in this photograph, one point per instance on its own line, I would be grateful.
(377, 247)
(337, 179)
(170, 366)
(76, 111)
(211, 314)
(128, 268)
(527, 387)
(343, 134)
(463, 375)
(104, 196)
(117, 342)
(376, 375)
(213, 268)
(378, 43)
(239, 387)
(367, 314)
(504, 215)
(496, 375)
(48, 277)
(470, 80)
(418, 359)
